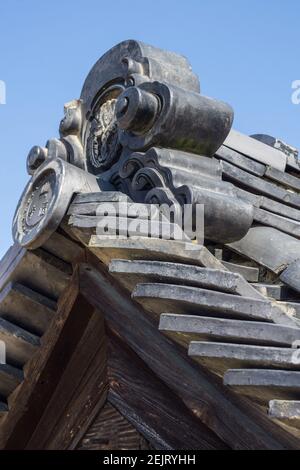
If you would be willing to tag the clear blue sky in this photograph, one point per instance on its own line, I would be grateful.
(245, 52)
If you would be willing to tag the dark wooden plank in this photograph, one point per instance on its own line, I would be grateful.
(155, 411)
(20, 344)
(3, 409)
(13, 254)
(54, 261)
(80, 393)
(236, 422)
(10, 378)
(38, 270)
(26, 308)
(111, 431)
(64, 248)
(44, 370)
(14, 257)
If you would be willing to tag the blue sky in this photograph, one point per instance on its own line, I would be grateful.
(245, 52)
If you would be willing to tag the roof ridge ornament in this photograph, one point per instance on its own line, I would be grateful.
(135, 98)
(97, 129)
(46, 199)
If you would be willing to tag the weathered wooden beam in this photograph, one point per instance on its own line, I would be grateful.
(10, 378)
(264, 385)
(154, 410)
(13, 255)
(44, 371)
(20, 344)
(132, 272)
(38, 270)
(111, 431)
(64, 248)
(287, 412)
(160, 298)
(3, 409)
(238, 331)
(80, 393)
(237, 423)
(26, 308)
